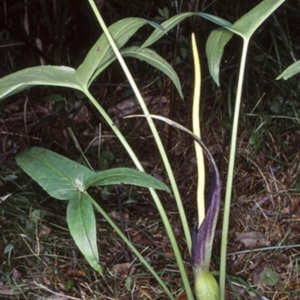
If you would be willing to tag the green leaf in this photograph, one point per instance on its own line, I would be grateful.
(244, 27)
(155, 25)
(121, 32)
(148, 56)
(155, 60)
(42, 75)
(60, 177)
(126, 176)
(269, 277)
(292, 70)
(63, 178)
(172, 22)
(82, 225)
(215, 45)
(249, 22)
(167, 25)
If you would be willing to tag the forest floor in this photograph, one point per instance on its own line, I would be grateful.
(38, 253)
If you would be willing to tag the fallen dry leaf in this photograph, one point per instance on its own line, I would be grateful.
(6, 290)
(252, 238)
(120, 270)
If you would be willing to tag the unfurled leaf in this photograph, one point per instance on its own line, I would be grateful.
(248, 23)
(63, 178)
(42, 75)
(126, 176)
(291, 71)
(82, 225)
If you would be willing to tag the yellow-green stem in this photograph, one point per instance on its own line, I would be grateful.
(230, 174)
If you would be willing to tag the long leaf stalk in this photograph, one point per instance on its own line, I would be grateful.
(244, 27)
(161, 149)
(230, 173)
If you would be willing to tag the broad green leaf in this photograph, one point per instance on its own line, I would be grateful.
(63, 178)
(248, 23)
(42, 75)
(82, 225)
(172, 22)
(214, 48)
(121, 32)
(155, 60)
(292, 70)
(126, 176)
(59, 176)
